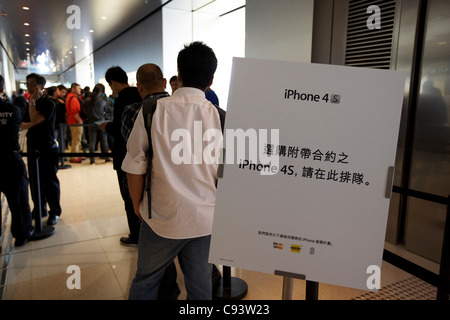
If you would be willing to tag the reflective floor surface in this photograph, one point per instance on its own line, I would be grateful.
(88, 234)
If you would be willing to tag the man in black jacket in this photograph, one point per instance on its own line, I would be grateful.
(118, 81)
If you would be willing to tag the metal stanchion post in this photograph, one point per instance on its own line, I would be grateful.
(230, 288)
(62, 146)
(312, 290)
(288, 285)
(40, 232)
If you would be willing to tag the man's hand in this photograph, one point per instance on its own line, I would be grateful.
(35, 96)
(138, 214)
(136, 188)
(25, 126)
(78, 118)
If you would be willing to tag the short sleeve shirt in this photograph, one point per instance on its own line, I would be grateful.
(42, 136)
(10, 119)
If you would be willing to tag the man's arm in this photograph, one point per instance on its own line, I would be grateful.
(78, 118)
(136, 189)
(135, 162)
(75, 106)
(35, 116)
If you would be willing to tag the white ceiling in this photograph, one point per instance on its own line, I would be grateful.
(100, 22)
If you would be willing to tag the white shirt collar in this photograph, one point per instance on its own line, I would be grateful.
(189, 90)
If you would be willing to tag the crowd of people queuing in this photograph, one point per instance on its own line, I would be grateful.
(169, 207)
(89, 108)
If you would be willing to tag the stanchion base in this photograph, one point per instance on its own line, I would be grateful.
(237, 290)
(46, 232)
(66, 166)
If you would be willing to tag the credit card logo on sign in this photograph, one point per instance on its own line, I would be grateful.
(277, 245)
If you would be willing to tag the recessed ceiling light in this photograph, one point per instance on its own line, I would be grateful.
(28, 49)
(27, 35)
(27, 43)
(26, 8)
(103, 18)
(26, 24)
(82, 40)
(91, 31)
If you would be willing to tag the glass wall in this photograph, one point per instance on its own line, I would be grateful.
(430, 163)
(408, 11)
(431, 157)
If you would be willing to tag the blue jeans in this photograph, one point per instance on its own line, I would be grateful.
(156, 254)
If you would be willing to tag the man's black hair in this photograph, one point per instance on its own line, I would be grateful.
(116, 74)
(51, 90)
(98, 88)
(2, 82)
(40, 80)
(197, 64)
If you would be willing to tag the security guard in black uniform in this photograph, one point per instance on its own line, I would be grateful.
(13, 174)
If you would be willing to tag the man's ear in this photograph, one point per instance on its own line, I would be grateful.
(180, 80)
(112, 85)
(139, 87)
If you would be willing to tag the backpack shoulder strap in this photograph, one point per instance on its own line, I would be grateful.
(148, 109)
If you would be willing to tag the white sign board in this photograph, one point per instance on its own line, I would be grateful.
(313, 202)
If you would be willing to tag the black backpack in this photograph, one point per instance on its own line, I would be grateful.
(83, 109)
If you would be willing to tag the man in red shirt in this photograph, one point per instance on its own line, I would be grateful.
(73, 109)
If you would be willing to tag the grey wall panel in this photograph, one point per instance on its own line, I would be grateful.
(279, 30)
(142, 44)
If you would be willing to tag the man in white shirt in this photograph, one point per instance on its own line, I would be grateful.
(185, 139)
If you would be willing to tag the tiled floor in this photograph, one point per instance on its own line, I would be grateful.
(87, 236)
